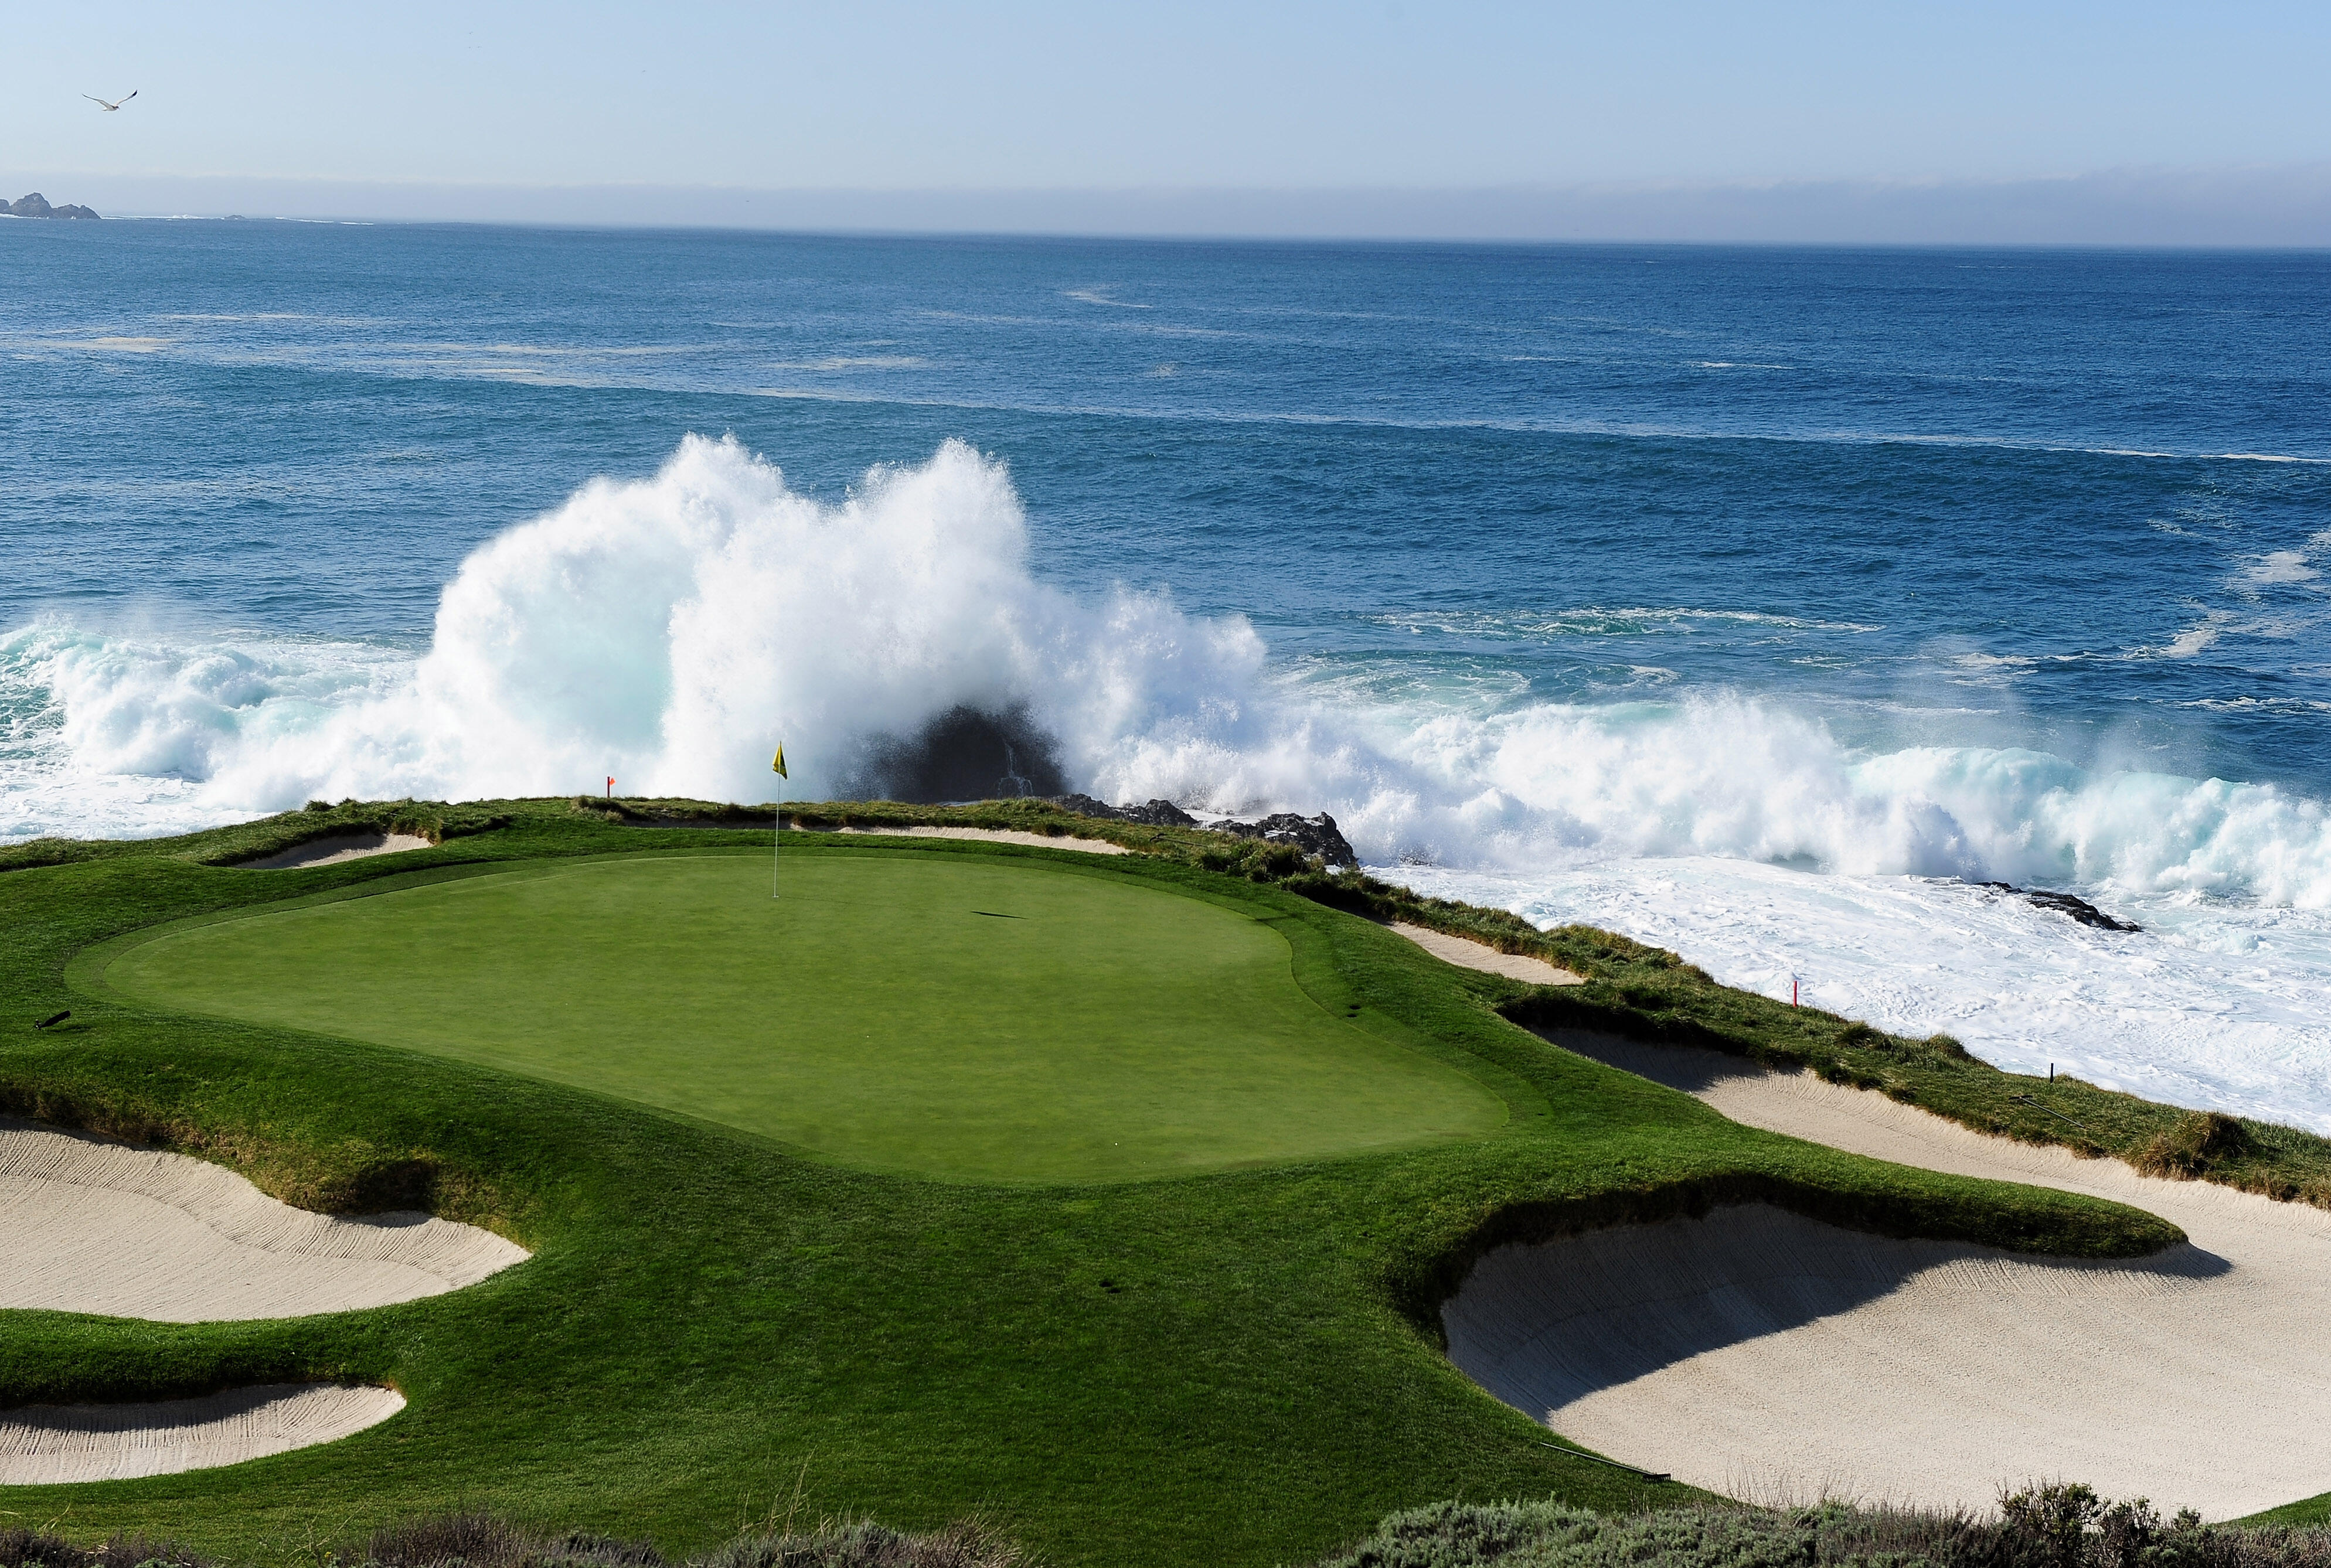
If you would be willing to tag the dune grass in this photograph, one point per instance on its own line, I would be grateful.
(1232, 1367)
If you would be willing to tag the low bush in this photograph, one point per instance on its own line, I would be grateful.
(37, 1549)
(483, 1540)
(2053, 1526)
(477, 1539)
(864, 1546)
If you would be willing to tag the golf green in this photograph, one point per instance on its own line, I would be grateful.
(972, 1017)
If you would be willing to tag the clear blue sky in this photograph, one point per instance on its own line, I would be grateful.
(892, 96)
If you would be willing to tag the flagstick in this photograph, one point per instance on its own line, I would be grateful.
(777, 818)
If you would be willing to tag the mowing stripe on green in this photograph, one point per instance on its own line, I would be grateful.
(879, 1014)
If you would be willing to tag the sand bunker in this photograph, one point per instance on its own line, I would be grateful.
(94, 1227)
(332, 851)
(45, 1445)
(1770, 1356)
(1467, 954)
(997, 836)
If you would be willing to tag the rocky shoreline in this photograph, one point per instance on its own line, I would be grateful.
(1313, 835)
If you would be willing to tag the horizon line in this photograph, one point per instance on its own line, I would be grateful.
(1231, 237)
(2280, 207)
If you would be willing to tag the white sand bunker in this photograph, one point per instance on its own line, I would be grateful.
(47, 1445)
(332, 851)
(1467, 954)
(93, 1227)
(1770, 1356)
(995, 836)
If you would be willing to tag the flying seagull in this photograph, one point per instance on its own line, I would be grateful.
(109, 108)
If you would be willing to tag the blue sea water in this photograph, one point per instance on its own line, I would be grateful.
(1763, 603)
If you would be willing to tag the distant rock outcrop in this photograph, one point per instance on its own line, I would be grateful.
(36, 205)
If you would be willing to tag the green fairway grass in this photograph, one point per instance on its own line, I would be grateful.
(942, 1014)
(1237, 1366)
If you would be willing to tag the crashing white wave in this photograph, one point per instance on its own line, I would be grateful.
(669, 631)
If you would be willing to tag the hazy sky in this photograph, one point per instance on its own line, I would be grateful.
(1029, 97)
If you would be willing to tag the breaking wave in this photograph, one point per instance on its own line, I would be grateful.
(669, 631)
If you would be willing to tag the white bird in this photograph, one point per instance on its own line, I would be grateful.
(109, 108)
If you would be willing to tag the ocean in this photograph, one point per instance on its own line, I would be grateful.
(1764, 603)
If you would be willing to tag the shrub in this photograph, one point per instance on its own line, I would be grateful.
(2048, 1526)
(33, 1549)
(480, 1540)
(963, 1545)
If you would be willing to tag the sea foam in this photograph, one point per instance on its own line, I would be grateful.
(670, 630)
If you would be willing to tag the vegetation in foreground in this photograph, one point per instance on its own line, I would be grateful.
(1235, 1367)
(482, 1540)
(2051, 1526)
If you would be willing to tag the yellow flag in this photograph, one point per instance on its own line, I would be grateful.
(778, 766)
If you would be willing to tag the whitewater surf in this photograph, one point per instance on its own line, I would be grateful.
(667, 630)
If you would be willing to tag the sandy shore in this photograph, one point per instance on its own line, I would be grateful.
(1776, 1358)
(47, 1445)
(332, 851)
(93, 1227)
(1467, 954)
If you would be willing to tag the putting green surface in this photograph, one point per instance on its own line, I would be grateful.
(973, 1017)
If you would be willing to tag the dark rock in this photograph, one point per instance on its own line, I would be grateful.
(1313, 835)
(1316, 835)
(1155, 814)
(36, 205)
(2079, 909)
(965, 754)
